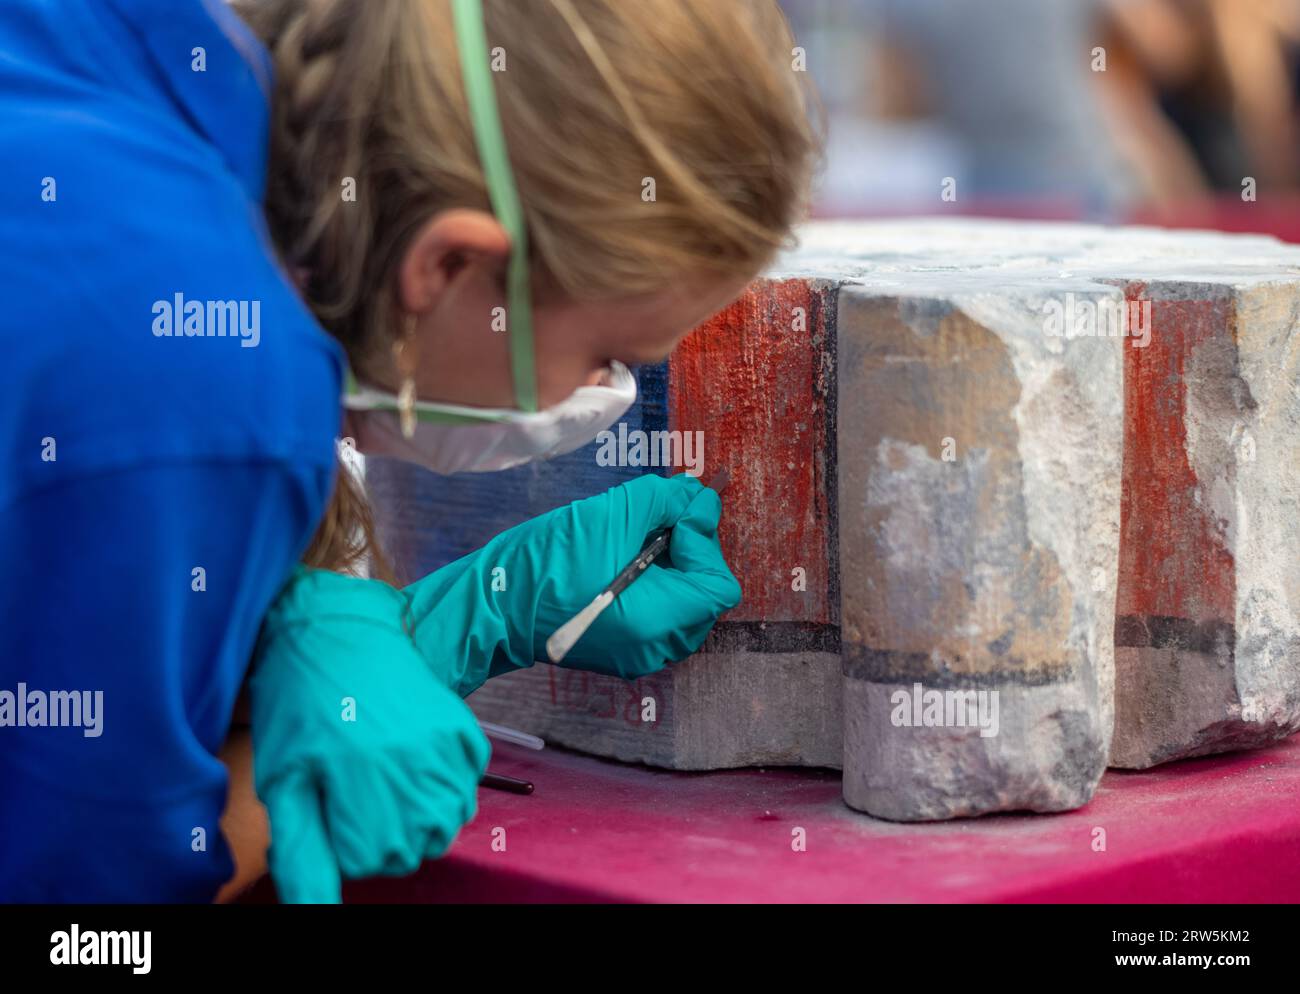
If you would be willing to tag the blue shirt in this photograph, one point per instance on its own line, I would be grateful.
(168, 409)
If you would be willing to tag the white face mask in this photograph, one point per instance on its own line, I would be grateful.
(449, 438)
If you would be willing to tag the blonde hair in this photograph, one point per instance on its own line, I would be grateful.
(598, 99)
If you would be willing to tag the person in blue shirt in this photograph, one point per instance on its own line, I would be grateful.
(214, 222)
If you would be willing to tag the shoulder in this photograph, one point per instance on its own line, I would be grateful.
(147, 317)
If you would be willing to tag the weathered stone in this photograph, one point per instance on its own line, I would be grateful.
(713, 711)
(1209, 544)
(979, 473)
(1208, 626)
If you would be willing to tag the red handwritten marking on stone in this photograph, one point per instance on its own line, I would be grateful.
(596, 695)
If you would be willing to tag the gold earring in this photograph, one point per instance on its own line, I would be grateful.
(406, 395)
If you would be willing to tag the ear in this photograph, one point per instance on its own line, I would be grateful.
(441, 248)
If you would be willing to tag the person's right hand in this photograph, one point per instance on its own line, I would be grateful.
(493, 610)
(367, 763)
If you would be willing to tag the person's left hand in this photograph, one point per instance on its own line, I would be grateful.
(366, 762)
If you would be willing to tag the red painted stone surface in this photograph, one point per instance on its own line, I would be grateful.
(1173, 562)
(757, 379)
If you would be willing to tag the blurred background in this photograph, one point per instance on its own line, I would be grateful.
(1183, 113)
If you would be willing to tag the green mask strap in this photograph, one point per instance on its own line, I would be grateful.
(471, 40)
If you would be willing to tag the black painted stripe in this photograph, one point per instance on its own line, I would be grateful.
(895, 666)
(1162, 632)
(772, 636)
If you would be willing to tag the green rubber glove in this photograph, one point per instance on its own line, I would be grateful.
(372, 795)
(493, 610)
